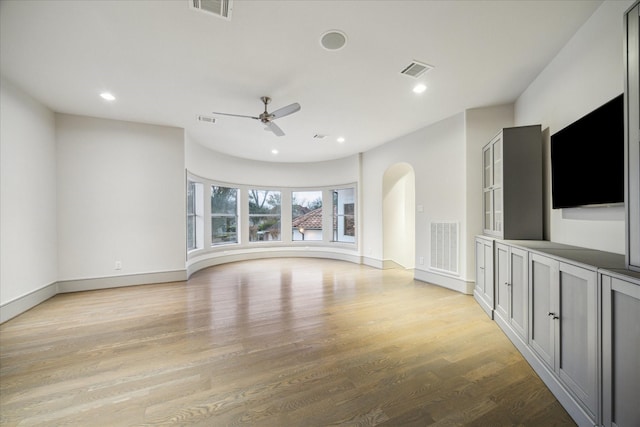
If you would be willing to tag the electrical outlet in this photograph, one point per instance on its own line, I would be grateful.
(118, 265)
(421, 260)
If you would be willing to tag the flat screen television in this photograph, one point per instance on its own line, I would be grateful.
(587, 159)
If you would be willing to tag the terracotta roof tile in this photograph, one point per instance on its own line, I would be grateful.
(310, 221)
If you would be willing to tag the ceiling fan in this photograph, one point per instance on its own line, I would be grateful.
(267, 118)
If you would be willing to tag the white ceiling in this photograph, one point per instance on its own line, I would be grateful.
(167, 63)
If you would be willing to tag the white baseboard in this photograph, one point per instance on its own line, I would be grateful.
(449, 282)
(79, 285)
(24, 303)
(11, 309)
(21, 304)
(373, 262)
(550, 379)
(210, 260)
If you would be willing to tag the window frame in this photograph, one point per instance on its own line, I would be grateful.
(277, 216)
(300, 231)
(235, 216)
(286, 235)
(342, 220)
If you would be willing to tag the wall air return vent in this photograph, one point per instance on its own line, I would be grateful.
(221, 8)
(416, 69)
(444, 247)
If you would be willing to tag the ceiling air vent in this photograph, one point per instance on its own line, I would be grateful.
(221, 8)
(206, 119)
(416, 69)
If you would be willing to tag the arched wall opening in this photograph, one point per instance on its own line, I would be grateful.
(398, 216)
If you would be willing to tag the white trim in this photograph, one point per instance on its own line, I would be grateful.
(211, 259)
(391, 264)
(446, 281)
(19, 305)
(373, 262)
(550, 379)
(78, 285)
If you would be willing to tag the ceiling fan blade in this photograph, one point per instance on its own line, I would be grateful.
(237, 115)
(274, 128)
(285, 111)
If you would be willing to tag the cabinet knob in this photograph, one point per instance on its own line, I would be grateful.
(507, 284)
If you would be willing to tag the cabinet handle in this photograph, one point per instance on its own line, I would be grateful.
(555, 317)
(507, 284)
(551, 314)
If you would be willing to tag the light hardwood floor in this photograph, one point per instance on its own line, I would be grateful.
(278, 342)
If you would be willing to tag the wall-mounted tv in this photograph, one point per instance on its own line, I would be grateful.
(587, 159)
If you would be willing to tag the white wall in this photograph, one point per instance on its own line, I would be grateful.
(437, 155)
(28, 256)
(585, 74)
(121, 197)
(399, 215)
(481, 125)
(224, 168)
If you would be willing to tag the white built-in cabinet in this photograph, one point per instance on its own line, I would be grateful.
(574, 314)
(632, 134)
(620, 349)
(483, 291)
(511, 288)
(512, 184)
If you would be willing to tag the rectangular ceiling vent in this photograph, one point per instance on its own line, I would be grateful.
(416, 69)
(221, 8)
(206, 119)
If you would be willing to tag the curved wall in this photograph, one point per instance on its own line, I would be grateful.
(214, 167)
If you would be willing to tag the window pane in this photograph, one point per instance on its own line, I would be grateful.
(264, 202)
(191, 232)
(194, 215)
(344, 220)
(224, 215)
(224, 200)
(264, 228)
(224, 229)
(191, 198)
(306, 214)
(264, 215)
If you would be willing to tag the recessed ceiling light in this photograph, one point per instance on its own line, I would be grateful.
(274, 151)
(419, 88)
(340, 139)
(107, 96)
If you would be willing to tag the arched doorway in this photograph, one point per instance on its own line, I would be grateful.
(398, 216)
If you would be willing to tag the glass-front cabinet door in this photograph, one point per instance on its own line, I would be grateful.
(492, 187)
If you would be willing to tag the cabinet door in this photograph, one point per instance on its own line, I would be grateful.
(480, 282)
(498, 199)
(488, 273)
(487, 164)
(483, 291)
(502, 281)
(487, 188)
(543, 283)
(518, 273)
(577, 334)
(620, 352)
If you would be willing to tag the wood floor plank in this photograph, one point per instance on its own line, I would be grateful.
(275, 342)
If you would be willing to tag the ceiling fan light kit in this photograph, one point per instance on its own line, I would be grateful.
(267, 118)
